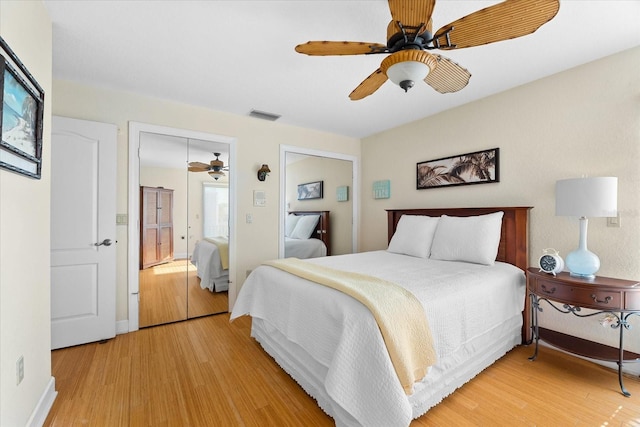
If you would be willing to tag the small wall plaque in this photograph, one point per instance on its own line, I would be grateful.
(382, 189)
(342, 193)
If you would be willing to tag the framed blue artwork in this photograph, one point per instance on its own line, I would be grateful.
(22, 110)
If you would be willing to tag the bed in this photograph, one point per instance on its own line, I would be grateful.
(305, 237)
(211, 258)
(332, 346)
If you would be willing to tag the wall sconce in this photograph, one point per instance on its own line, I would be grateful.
(263, 172)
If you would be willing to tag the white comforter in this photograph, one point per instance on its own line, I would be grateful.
(304, 248)
(206, 258)
(462, 302)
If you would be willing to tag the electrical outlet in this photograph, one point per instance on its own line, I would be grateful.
(19, 370)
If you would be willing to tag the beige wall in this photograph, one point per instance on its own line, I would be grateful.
(582, 121)
(24, 237)
(333, 173)
(258, 142)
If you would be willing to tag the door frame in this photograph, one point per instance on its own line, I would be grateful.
(284, 149)
(133, 278)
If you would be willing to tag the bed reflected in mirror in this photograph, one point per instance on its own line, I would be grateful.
(318, 226)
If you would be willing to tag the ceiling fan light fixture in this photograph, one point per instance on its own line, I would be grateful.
(216, 174)
(406, 67)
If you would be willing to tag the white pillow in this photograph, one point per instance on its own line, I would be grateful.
(413, 235)
(290, 223)
(305, 226)
(472, 239)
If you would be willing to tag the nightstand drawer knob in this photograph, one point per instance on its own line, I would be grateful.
(605, 301)
(547, 291)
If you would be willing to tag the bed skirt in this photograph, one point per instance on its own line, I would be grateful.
(444, 378)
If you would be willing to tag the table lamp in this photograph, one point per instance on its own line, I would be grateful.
(583, 198)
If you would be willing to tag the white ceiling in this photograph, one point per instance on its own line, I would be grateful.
(236, 56)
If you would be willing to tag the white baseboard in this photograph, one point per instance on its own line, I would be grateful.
(39, 414)
(122, 327)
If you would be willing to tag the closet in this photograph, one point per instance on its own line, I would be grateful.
(156, 228)
(172, 218)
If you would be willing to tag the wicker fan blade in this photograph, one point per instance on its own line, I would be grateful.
(198, 167)
(448, 76)
(324, 48)
(369, 85)
(506, 20)
(411, 13)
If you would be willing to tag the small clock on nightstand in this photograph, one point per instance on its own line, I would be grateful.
(551, 262)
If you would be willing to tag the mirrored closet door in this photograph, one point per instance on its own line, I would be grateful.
(184, 228)
(337, 198)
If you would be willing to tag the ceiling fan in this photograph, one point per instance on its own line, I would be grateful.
(215, 168)
(410, 36)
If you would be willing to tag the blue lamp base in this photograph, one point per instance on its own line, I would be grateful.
(582, 262)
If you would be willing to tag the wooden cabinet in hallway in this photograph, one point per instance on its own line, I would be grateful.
(156, 229)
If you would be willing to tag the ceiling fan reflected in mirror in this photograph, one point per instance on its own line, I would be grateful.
(410, 36)
(215, 168)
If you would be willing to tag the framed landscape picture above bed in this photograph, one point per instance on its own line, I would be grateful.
(480, 167)
(310, 190)
(21, 114)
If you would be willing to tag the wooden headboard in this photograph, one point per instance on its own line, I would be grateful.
(323, 229)
(514, 241)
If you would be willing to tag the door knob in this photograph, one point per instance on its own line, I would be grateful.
(106, 242)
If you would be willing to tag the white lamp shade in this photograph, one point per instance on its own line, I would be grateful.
(407, 70)
(587, 197)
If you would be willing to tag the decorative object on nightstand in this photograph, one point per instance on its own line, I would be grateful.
(582, 198)
(263, 172)
(551, 262)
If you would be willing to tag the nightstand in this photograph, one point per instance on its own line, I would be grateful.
(616, 297)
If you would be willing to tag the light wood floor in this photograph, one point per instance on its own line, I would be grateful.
(209, 372)
(171, 292)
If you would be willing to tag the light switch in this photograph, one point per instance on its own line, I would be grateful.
(614, 221)
(259, 198)
(249, 218)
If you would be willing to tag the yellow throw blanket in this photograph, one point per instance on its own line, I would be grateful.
(223, 248)
(399, 314)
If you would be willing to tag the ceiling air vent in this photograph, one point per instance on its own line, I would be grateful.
(264, 115)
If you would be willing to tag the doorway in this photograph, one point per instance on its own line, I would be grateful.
(171, 289)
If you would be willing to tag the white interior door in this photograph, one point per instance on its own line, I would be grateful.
(83, 229)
